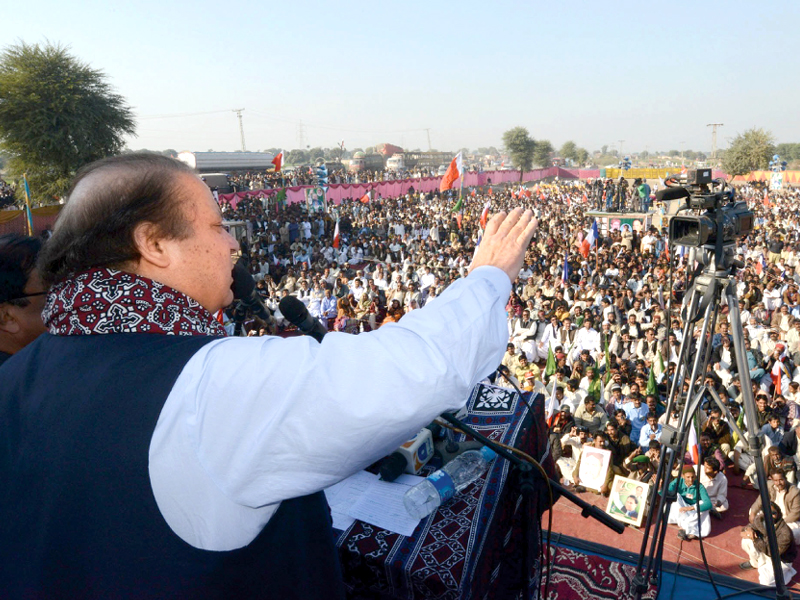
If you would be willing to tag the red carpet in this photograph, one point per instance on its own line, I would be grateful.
(722, 548)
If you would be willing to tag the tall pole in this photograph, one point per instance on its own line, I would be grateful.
(714, 137)
(430, 148)
(620, 148)
(238, 112)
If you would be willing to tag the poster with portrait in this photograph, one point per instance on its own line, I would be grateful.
(628, 500)
(595, 463)
(315, 200)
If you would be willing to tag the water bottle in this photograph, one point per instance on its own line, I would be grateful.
(425, 497)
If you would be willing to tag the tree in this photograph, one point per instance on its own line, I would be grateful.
(56, 115)
(582, 156)
(520, 146)
(569, 151)
(316, 153)
(749, 151)
(604, 149)
(297, 157)
(542, 153)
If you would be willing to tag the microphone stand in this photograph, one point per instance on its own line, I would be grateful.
(527, 476)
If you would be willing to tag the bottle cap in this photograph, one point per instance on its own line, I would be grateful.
(488, 453)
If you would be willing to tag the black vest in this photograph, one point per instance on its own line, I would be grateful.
(77, 514)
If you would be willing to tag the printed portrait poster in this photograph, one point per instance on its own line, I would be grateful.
(315, 200)
(628, 500)
(594, 467)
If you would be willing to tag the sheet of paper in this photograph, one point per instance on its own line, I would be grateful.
(381, 504)
(344, 494)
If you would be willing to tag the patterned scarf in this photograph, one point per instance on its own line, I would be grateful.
(102, 301)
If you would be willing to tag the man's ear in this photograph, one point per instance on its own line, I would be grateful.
(151, 245)
(8, 322)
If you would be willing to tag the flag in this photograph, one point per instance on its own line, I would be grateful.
(367, 198)
(485, 213)
(28, 213)
(552, 408)
(585, 199)
(278, 161)
(652, 389)
(336, 238)
(596, 386)
(550, 365)
(683, 171)
(779, 370)
(565, 269)
(658, 367)
(590, 240)
(761, 265)
(458, 206)
(608, 363)
(280, 198)
(453, 172)
(459, 217)
(692, 447)
(766, 197)
(220, 316)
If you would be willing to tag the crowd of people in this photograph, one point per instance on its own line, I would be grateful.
(6, 194)
(268, 180)
(607, 319)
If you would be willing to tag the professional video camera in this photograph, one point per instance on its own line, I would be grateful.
(723, 218)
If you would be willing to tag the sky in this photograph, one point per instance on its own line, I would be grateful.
(650, 74)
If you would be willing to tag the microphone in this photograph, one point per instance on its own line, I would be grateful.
(671, 193)
(297, 314)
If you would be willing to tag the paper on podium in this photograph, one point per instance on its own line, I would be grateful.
(344, 494)
(381, 504)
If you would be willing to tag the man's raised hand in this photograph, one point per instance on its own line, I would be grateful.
(505, 241)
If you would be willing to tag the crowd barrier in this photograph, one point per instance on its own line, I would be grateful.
(14, 221)
(344, 191)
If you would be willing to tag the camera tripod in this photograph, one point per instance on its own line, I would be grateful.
(712, 285)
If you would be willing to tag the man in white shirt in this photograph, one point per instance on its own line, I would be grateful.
(716, 484)
(250, 424)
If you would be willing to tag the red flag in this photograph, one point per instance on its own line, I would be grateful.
(485, 213)
(336, 235)
(453, 172)
(585, 199)
(527, 193)
(220, 316)
(366, 198)
(473, 192)
(459, 217)
(490, 191)
(766, 197)
(278, 161)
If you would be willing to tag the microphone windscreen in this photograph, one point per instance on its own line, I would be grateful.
(293, 310)
(671, 193)
(243, 282)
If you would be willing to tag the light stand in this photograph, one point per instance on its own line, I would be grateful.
(706, 294)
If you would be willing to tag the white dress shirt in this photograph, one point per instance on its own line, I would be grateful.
(254, 421)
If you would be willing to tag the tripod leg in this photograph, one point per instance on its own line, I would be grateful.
(752, 440)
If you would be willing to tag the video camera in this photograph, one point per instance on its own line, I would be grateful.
(724, 219)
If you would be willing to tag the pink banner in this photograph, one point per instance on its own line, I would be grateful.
(392, 189)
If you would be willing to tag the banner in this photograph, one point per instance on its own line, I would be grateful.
(315, 200)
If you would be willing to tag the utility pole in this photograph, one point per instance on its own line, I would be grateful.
(430, 148)
(714, 137)
(238, 112)
(301, 136)
(620, 148)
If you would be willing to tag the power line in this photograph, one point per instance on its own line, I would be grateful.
(180, 115)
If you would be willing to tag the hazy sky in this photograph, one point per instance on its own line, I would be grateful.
(650, 73)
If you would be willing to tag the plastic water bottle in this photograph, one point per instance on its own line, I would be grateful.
(425, 497)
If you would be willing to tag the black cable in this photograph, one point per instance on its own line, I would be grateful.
(757, 588)
(521, 395)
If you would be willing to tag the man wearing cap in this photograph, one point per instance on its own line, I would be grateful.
(22, 295)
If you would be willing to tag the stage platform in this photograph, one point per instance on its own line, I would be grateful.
(722, 548)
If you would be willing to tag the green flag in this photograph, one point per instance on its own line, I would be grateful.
(658, 366)
(280, 198)
(596, 387)
(651, 383)
(550, 366)
(459, 205)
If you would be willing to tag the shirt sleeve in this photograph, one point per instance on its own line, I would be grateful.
(271, 418)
